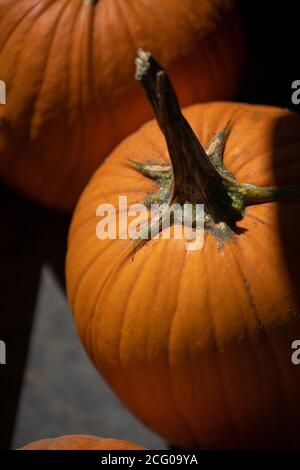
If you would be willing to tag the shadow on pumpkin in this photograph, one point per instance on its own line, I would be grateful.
(286, 168)
(286, 160)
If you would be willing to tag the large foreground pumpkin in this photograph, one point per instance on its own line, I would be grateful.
(81, 442)
(198, 344)
(71, 97)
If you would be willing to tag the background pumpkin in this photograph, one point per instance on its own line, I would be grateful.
(198, 344)
(81, 442)
(68, 66)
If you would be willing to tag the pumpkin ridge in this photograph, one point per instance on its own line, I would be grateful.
(79, 154)
(142, 267)
(85, 272)
(35, 105)
(12, 169)
(184, 419)
(106, 281)
(8, 172)
(26, 14)
(120, 336)
(125, 22)
(272, 349)
(259, 323)
(222, 379)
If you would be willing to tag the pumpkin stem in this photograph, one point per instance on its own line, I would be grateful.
(199, 176)
(196, 179)
(260, 195)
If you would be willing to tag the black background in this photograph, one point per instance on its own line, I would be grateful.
(273, 51)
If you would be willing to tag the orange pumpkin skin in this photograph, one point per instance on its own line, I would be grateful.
(198, 344)
(81, 442)
(71, 97)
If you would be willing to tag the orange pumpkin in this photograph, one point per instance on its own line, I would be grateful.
(81, 442)
(198, 344)
(68, 66)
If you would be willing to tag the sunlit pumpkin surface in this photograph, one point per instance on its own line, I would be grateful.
(71, 96)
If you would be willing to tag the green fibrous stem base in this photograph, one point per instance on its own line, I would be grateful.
(196, 176)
